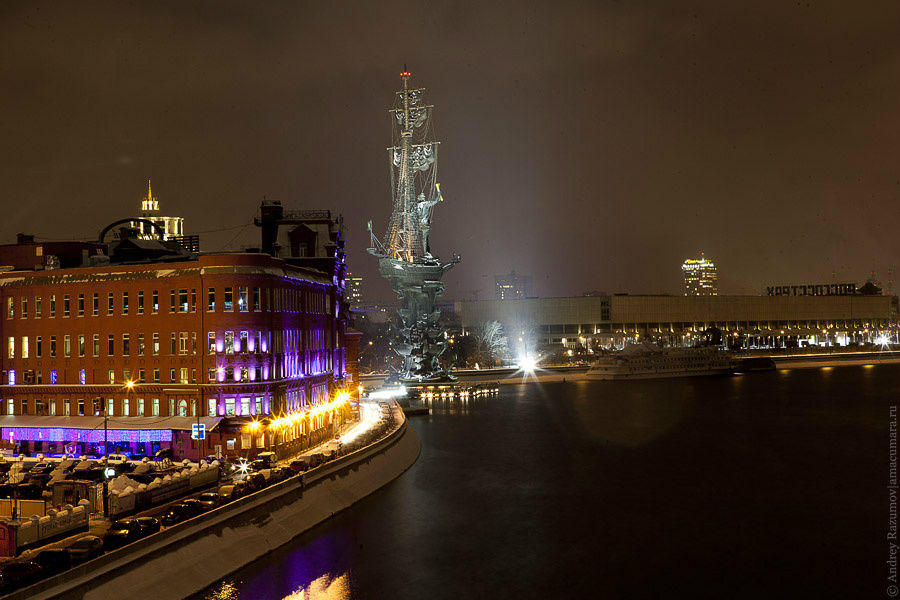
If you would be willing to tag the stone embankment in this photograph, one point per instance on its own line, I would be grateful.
(184, 559)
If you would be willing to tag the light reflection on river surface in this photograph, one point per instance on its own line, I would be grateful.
(757, 486)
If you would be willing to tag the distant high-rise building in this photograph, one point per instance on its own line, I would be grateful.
(513, 286)
(700, 277)
(353, 289)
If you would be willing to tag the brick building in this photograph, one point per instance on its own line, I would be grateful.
(247, 344)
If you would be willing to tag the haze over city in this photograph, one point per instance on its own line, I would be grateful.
(596, 144)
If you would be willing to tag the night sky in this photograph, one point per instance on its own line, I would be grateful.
(592, 145)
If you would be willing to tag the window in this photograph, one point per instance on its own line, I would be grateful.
(67, 346)
(81, 345)
(95, 308)
(155, 344)
(66, 305)
(183, 342)
(171, 301)
(52, 403)
(211, 374)
(24, 407)
(229, 342)
(140, 407)
(141, 375)
(182, 408)
(82, 377)
(11, 348)
(155, 302)
(110, 407)
(10, 407)
(110, 345)
(66, 407)
(193, 342)
(245, 405)
(52, 305)
(184, 375)
(193, 407)
(193, 300)
(126, 344)
(80, 305)
(256, 298)
(155, 407)
(244, 342)
(245, 374)
(211, 300)
(259, 405)
(140, 341)
(256, 340)
(228, 304)
(211, 342)
(173, 375)
(124, 303)
(112, 376)
(24, 307)
(229, 406)
(12, 377)
(193, 375)
(37, 307)
(110, 304)
(156, 375)
(211, 407)
(81, 407)
(173, 344)
(183, 300)
(242, 298)
(37, 346)
(140, 307)
(24, 346)
(10, 308)
(229, 373)
(171, 407)
(126, 407)
(53, 347)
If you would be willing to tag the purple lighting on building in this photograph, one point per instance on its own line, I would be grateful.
(90, 436)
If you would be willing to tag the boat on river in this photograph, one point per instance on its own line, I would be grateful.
(644, 361)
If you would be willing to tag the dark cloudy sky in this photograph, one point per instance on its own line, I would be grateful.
(593, 145)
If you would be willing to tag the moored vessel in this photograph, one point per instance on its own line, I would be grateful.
(643, 361)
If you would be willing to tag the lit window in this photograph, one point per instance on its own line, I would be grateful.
(228, 303)
(12, 377)
(242, 298)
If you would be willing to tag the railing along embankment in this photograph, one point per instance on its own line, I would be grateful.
(184, 559)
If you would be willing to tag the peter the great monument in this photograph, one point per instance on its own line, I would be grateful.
(405, 258)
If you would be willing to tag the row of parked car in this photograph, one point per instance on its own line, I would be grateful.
(46, 563)
(253, 476)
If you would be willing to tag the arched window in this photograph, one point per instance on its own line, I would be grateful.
(182, 408)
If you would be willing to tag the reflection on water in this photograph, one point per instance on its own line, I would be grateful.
(638, 489)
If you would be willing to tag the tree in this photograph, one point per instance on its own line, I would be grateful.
(491, 342)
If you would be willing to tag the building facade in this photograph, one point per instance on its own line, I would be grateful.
(354, 290)
(700, 277)
(512, 286)
(246, 344)
(757, 321)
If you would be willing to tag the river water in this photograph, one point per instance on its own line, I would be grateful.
(766, 485)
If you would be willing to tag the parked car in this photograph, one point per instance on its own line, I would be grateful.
(86, 548)
(121, 533)
(195, 506)
(180, 512)
(227, 493)
(148, 525)
(255, 481)
(209, 499)
(14, 575)
(299, 465)
(54, 560)
(268, 458)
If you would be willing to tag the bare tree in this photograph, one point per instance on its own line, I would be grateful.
(492, 343)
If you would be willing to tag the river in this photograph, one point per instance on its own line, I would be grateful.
(764, 485)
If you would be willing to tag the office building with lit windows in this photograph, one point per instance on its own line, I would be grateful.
(233, 341)
(700, 277)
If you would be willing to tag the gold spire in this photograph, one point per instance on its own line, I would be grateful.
(149, 190)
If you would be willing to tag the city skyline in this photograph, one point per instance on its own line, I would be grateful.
(604, 132)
